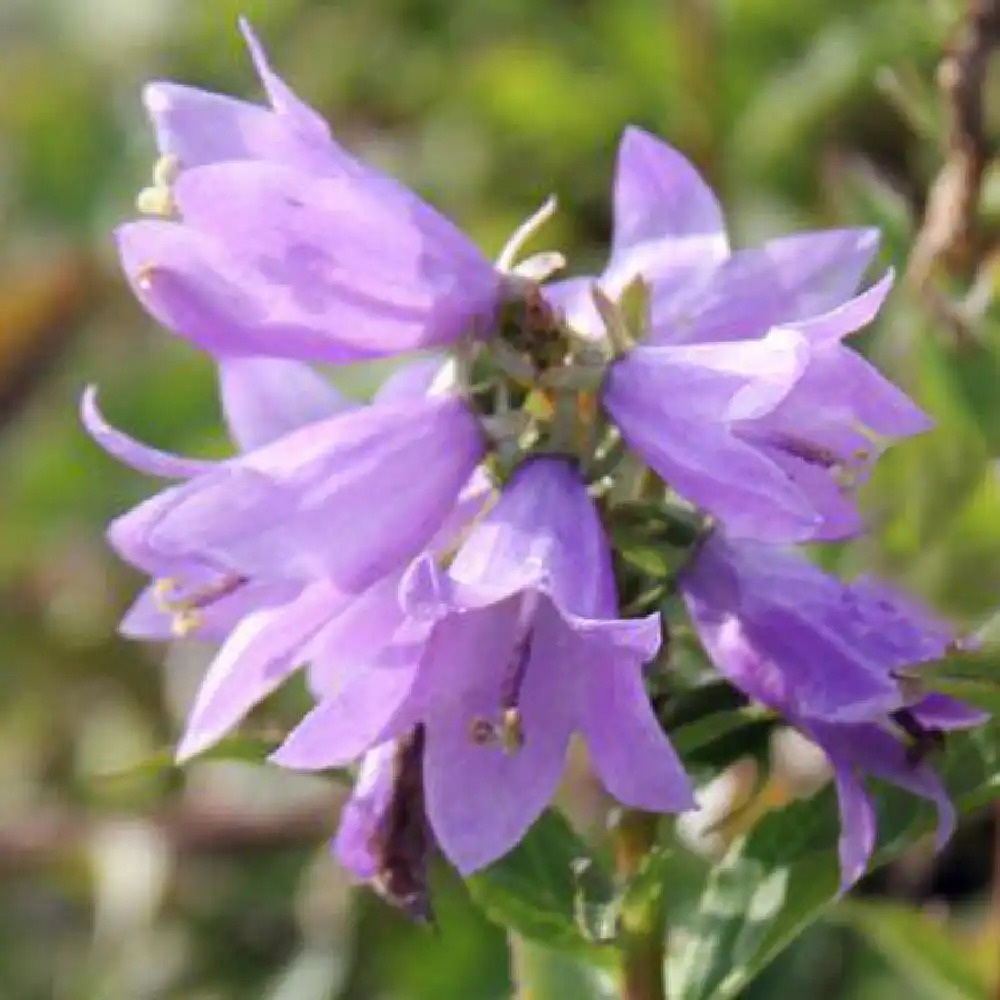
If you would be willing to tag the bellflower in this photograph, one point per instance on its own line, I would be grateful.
(519, 646)
(838, 662)
(799, 640)
(262, 399)
(219, 584)
(275, 241)
(777, 456)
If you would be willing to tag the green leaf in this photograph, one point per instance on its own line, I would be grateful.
(551, 890)
(755, 901)
(784, 873)
(919, 949)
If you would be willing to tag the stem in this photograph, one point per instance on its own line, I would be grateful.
(520, 967)
(642, 927)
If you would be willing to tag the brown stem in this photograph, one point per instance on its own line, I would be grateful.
(642, 927)
(948, 231)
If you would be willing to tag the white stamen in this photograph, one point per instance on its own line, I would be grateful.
(524, 232)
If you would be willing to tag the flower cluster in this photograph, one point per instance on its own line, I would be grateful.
(449, 563)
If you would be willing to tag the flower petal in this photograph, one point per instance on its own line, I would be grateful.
(366, 709)
(858, 829)
(480, 799)
(261, 652)
(543, 533)
(139, 456)
(942, 713)
(295, 113)
(363, 812)
(349, 499)
(658, 193)
(820, 270)
(361, 256)
(628, 749)
(848, 318)
(410, 381)
(264, 398)
(191, 286)
(148, 618)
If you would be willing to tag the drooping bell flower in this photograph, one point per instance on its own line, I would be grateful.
(799, 640)
(523, 647)
(274, 241)
(214, 578)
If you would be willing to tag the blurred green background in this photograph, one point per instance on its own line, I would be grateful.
(122, 880)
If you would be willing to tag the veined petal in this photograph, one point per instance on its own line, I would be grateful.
(722, 382)
(543, 534)
(134, 453)
(658, 193)
(858, 829)
(306, 123)
(199, 127)
(358, 255)
(848, 318)
(712, 468)
(410, 381)
(628, 749)
(755, 290)
(821, 270)
(259, 654)
(480, 799)
(349, 499)
(265, 398)
(191, 286)
(797, 639)
(150, 618)
(871, 750)
(366, 709)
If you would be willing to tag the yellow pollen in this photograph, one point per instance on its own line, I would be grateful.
(540, 405)
(185, 621)
(511, 731)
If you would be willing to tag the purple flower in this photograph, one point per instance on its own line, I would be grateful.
(859, 750)
(213, 572)
(262, 400)
(831, 658)
(520, 646)
(741, 395)
(278, 243)
(800, 641)
(347, 499)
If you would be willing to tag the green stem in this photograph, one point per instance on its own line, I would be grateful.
(642, 925)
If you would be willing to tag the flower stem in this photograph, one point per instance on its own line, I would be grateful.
(642, 925)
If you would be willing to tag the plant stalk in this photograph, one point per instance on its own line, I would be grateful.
(642, 924)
